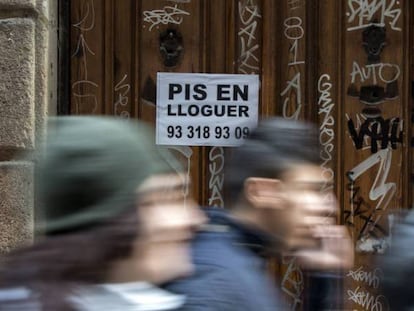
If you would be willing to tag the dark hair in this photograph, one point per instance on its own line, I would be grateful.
(273, 147)
(55, 265)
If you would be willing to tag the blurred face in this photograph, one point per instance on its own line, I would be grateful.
(167, 221)
(308, 205)
(299, 208)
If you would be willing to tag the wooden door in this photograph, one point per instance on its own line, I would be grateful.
(343, 64)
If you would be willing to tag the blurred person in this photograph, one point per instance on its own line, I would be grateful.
(397, 264)
(275, 182)
(114, 228)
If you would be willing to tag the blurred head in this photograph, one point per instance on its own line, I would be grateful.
(277, 179)
(91, 169)
(168, 219)
(104, 179)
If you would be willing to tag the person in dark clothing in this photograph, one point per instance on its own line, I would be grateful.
(397, 264)
(114, 224)
(274, 180)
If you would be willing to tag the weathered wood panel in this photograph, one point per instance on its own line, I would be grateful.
(373, 133)
(218, 46)
(171, 38)
(327, 83)
(292, 57)
(87, 50)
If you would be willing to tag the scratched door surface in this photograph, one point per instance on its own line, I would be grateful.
(375, 92)
(343, 64)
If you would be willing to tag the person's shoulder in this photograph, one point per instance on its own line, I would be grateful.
(18, 298)
(125, 296)
(217, 286)
(219, 243)
(212, 287)
(222, 263)
(220, 254)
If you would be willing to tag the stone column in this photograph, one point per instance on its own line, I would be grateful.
(25, 70)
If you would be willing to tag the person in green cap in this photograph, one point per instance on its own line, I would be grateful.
(113, 226)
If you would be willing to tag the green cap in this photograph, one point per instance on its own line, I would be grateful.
(91, 170)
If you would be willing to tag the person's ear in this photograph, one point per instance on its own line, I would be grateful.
(263, 192)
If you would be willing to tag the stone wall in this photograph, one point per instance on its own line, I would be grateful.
(25, 67)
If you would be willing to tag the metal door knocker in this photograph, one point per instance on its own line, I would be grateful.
(171, 47)
(371, 96)
(373, 40)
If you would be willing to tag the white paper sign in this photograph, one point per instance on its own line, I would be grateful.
(197, 109)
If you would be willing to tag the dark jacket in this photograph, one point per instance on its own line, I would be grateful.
(230, 273)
